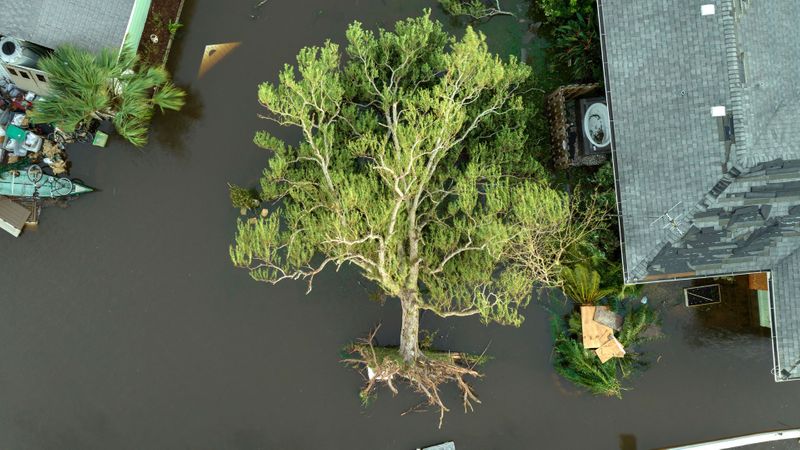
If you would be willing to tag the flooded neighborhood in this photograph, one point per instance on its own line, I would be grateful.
(492, 225)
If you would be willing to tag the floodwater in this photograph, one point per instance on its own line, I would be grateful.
(124, 326)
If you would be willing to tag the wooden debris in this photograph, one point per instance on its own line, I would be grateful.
(50, 148)
(12, 216)
(594, 334)
(214, 54)
(611, 349)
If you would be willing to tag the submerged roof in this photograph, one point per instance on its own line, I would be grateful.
(702, 195)
(89, 24)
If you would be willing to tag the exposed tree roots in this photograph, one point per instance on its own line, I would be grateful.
(384, 365)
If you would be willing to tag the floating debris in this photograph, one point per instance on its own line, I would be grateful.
(258, 5)
(213, 54)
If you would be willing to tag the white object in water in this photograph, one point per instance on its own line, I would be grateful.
(741, 441)
(717, 111)
(596, 125)
(644, 300)
(708, 10)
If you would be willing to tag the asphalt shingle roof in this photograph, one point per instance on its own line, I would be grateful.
(700, 195)
(90, 24)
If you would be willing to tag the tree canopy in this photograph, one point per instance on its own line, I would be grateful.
(84, 86)
(411, 167)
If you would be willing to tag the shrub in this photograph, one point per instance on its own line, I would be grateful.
(583, 368)
(85, 87)
(243, 198)
(576, 48)
(582, 285)
(559, 9)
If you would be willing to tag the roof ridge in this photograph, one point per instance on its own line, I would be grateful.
(739, 153)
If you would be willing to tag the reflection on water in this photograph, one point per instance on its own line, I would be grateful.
(627, 442)
(170, 129)
(731, 325)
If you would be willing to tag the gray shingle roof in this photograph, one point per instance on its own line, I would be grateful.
(733, 202)
(89, 24)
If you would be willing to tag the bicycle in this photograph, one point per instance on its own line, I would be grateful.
(62, 138)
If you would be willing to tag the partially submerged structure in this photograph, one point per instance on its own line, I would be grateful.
(578, 136)
(13, 216)
(704, 100)
(29, 29)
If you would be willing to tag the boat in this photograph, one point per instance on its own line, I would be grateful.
(33, 183)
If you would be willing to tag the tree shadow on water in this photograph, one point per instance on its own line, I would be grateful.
(627, 442)
(170, 130)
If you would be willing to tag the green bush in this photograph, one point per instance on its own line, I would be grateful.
(583, 368)
(109, 85)
(243, 198)
(477, 9)
(576, 48)
(560, 9)
(582, 285)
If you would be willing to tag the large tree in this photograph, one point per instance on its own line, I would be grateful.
(412, 168)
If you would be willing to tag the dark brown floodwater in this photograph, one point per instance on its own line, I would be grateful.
(124, 326)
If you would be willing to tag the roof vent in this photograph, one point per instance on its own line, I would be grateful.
(708, 10)
(717, 111)
(14, 51)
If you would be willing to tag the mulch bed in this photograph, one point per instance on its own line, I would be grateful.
(161, 13)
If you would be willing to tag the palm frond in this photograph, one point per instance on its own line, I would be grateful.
(169, 96)
(582, 285)
(85, 86)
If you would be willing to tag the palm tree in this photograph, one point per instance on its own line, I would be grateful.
(583, 285)
(85, 87)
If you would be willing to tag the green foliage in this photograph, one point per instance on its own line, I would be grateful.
(173, 27)
(462, 7)
(636, 322)
(477, 9)
(560, 9)
(576, 48)
(242, 198)
(583, 285)
(600, 251)
(583, 367)
(414, 167)
(85, 87)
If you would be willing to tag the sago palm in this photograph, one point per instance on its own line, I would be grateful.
(85, 86)
(582, 285)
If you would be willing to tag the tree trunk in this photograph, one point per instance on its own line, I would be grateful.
(409, 333)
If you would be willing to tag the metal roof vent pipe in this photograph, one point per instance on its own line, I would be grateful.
(18, 52)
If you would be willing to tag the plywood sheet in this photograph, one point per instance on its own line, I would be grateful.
(612, 348)
(594, 334)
